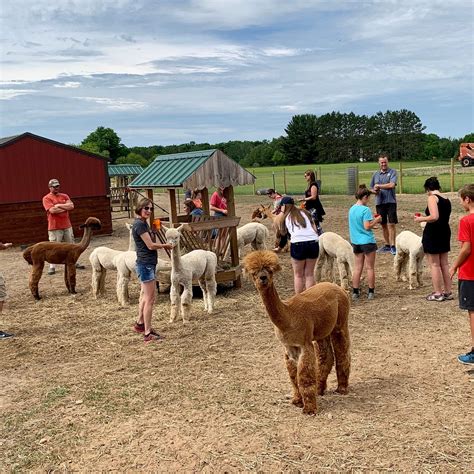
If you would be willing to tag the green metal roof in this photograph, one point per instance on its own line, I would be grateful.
(171, 170)
(125, 170)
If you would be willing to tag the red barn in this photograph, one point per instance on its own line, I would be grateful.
(27, 163)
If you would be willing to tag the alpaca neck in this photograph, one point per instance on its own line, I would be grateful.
(276, 309)
(131, 243)
(176, 257)
(86, 238)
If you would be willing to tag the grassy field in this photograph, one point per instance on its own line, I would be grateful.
(290, 180)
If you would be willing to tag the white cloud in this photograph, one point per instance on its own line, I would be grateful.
(68, 85)
(115, 104)
(7, 94)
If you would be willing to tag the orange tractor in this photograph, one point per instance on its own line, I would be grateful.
(466, 154)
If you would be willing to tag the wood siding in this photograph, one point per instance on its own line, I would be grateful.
(26, 223)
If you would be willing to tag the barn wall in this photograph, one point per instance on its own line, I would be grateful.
(29, 163)
(26, 223)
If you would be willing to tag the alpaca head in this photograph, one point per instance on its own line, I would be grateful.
(173, 235)
(92, 223)
(260, 266)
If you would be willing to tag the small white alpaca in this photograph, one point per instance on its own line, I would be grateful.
(409, 250)
(196, 265)
(252, 233)
(333, 246)
(104, 258)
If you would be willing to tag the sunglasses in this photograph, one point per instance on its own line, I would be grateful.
(55, 187)
(148, 208)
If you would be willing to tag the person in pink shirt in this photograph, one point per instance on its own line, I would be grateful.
(57, 206)
(218, 202)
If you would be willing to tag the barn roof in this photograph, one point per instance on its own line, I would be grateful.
(125, 170)
(196, 169)
(8, 139)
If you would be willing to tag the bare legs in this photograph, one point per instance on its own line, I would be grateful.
(389, 231)
(368, 260)
(303, 271)
(439, 268)
(145, 305)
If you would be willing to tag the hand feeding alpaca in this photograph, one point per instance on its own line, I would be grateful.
(409, 251)
(196, 265)
(104, 258)
(59, 253)
(334, 247)
(262, 212)
(318, 314)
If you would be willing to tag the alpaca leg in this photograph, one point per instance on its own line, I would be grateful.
(186, 300)
(35, 277)
(211, 287)
(342, 273)
(205, 296)
(291, 358)
(319, 266)
(175, 305)
(95, 282)
(325, 362)
(397, 264)
(412, 272)
(122, 289)
(307, 379)
(103, 274)
(341, 346)
(419, 270)
(70, 271)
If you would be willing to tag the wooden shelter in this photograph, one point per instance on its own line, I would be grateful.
(200, 170)
(120, 176)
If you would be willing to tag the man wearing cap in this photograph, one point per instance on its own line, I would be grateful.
(57, 206)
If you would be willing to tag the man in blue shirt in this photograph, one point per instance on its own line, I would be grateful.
(383, 185)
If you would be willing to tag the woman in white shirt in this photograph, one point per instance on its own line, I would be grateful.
(304, 247)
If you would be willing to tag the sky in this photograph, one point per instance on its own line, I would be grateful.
(173, 71)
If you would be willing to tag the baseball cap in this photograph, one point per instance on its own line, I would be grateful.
(53, 182)
(286, 200)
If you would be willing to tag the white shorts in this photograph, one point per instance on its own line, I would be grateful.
(3, 289)
(61, 235)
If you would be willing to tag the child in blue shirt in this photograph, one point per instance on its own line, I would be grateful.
(361, 223)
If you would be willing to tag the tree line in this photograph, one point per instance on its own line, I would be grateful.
(309, 139)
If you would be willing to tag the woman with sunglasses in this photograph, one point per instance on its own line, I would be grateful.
(147, 259)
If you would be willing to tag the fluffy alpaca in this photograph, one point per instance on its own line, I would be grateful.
(319, 314)
(333, 246)
(104, 258)
(262, 212)
(59, 253)
(196, 265)
(252, 233)
(409, 250)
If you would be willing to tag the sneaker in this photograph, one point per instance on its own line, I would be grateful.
(393, 250)
(5, 335)
(52, 271)
(137, 327)
(467, 358)
(384, 249)
(370, 296)
(435, 297)
(152, 336)
(355, 296)
(448, 296)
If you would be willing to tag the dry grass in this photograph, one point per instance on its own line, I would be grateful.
(80, 391)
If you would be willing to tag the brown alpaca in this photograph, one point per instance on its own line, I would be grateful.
(318, 315)
(58, 252)
(262, 212)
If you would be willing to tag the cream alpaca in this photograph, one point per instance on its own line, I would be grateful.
(196, 265)
(409, 251)
(262, 212)
(319, 314)
(252, 233)
(334, 247)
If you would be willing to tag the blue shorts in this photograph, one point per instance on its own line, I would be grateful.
(145, 272)
(304, 250)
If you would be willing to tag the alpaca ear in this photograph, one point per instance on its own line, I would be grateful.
(82, 226)
(129, 226)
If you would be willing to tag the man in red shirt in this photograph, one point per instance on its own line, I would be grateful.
(57, 206)
(465, 263)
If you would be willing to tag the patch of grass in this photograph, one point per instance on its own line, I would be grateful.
(55, 394)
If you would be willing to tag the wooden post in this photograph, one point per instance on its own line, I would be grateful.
(205, 201)
(173, 210)
(284, 180)
(400, 180)
(320, 176)
(357, 178)
(273, 179)
(234, 251)
(149, 195)
(452, 175)
(254, 189)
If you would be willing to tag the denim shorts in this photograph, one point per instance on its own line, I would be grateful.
(304, 250)
(466, 294)
(364, 248)
(145, 271)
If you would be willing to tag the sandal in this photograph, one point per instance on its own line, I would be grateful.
(152, 336)
(448, 296)
(435, 297)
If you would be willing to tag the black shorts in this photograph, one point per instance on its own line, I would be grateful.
(466, 294)
(364, 248)
(304, 250)
(388, 211)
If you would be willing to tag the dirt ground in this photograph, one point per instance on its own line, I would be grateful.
(79, 391)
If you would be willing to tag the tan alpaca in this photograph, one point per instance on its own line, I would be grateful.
(319, 314)
(60, 253)
(262, 212)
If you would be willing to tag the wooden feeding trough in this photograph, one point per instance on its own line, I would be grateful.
(200, 170)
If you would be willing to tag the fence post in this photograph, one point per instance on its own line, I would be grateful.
(452, 175)
(273, 178)
(320, 176)
(284, 180)
(400, 181)
(254, 190)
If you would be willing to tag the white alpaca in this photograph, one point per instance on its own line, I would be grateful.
(252, 233)
(409, 250)
(104, 258)
(333, 246)
(196, 265)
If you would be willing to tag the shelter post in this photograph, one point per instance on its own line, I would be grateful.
(205, 201)
(149, 195)
(173, 210)
(234, 251)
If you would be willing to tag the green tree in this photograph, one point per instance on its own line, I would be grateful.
(105, 139)
(132, 158)
(300, 144)
(93, 148)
